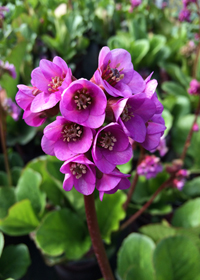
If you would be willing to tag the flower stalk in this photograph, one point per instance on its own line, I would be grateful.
(95, 235)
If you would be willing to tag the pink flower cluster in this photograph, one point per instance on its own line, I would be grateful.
(194, 88)
(11, 108)
(180, 179)
(134, 3)
(6, 67)
(185, 13)
(99, 118)
(149, 167)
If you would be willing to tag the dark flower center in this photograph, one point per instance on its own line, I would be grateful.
(126, 115)
(78, 169)
(82, 99)
(107, 140)
(56, 82)
(112, 75)
(71, 132)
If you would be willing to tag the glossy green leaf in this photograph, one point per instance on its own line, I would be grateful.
(192, 187)
(20, 220)
(187, 215)
(109, 213)
(63, 232)
(28, 187)
(174, 88)
(157, 231)
(14, 261)
(135, 258)
(176, 258)
(7, 199)
(168, 120)
(4, 179)
(138, 50)
(1, 243)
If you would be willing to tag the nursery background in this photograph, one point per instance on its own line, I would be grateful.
(150, 230)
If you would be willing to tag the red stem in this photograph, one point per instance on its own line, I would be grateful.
(95, 235)
(134, 182)
(147, 204)
(189, 137)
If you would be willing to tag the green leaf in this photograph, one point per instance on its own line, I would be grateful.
(188, 214)
(14, 261)
(1, 243)
(16, 58)
(15, 174)
(135, 258)
(49, 185)
(157, 231)
(138, 50)
(28, 187)
(125, 168)
(168, 120)
(4, 179)
(63, 232)
(174, 88)
(192, 188)
(20, 220)
(109, 213)
(7, 199)
(176, 258)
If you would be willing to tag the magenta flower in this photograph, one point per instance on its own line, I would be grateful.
(80, 173)
(195, 127)
(110, 183)
(24, 99)
(180, 179)
(6, 67)
(67, 138)
(155, 129)
(187, 2)
(11, 108)
(132, 114)
(162, 148)
(184, 15)
(115, 72)
(50, 78)
(194, 88)
(111, 147)
(149, 167)
(135, 3)
(84, 103)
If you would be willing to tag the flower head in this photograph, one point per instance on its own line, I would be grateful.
(184, 15)
(11, 108)
(50, 78)
(195, 127)
(111, 147)
(6, 67)
(194, 88)
(180, 179)
(115, 72)
(149, 167)
(110, 183)
(66, 138)
(84, 103)
(80, 173)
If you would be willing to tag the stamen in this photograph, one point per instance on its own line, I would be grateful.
(56, 82)
(71, 132)
(82, 99)
(107, 141)
(112, 75)
(78, 169)
(126, 115)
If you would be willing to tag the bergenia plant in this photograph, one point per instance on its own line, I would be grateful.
(97, 123)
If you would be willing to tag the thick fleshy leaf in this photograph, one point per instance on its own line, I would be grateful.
(187, 215)
(7, 199)
(1, 243)
(20, 220)
(177, 258)
(109, 213)
(135, 258)
(63, 232)
(14, 261)
(28, 187)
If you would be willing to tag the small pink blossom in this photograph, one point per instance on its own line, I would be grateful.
(111, 147)
(150, 166)
(110, 183)
(66, 138)
(184, 15)
(180, 179)
(115, 72)
(80, 173)
(194, 88)
(50, 78)
(6, 67)
(84, 103)
(11, 108)
(195, 127)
